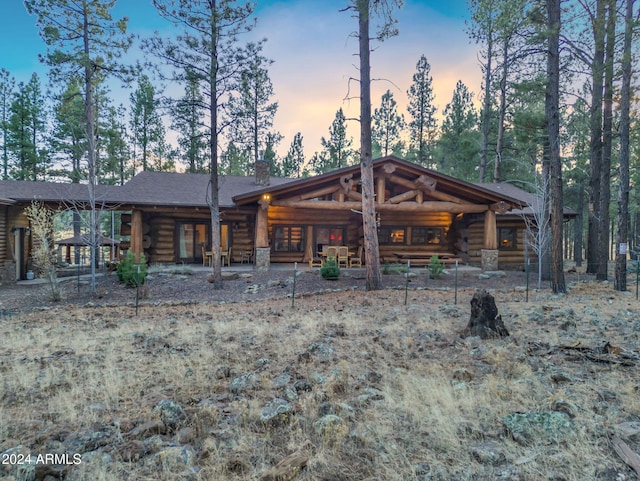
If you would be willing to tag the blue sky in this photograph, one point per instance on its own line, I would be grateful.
(314, 56)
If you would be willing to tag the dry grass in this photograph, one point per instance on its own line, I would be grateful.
(411, 400)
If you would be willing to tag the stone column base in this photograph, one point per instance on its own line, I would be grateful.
(8, 273)
(489, 259)
(263, 258)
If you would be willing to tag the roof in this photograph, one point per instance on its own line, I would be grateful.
(528, 199)
(26, 191)
(189, 190)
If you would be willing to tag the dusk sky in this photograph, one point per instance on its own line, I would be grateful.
(313, 56)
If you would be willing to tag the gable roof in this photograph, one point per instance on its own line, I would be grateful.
(14, 191)
(469, 192)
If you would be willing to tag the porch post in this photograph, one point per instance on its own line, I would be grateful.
(263, 253)
(380, 189)
(489, 255)
(136, 233)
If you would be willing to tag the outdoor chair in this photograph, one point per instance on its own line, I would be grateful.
(225, 256)
(314, 261)
(207, 256)
(343, 256)
(332, 251)
(356, 261)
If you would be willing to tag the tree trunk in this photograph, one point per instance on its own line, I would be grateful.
(620, 282)
(369, 221)
(214, 199)
(607, 146)
(578, 226)
(595, 145)
(484, 321)
(486, 109)
(502, 112)
(552, 104)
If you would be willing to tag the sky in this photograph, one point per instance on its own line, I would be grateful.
(313, 53)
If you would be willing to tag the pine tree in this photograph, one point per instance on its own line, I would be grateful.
(207, 50)
(387, 127)
(293, 163)
(7, 86)
(26, 132)
(81, 36)
(458, 147)
(337, 151)
(146, 126)
(252, 111)
(423, 124)
(188, 121)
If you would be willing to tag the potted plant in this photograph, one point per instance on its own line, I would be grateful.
(330, 270)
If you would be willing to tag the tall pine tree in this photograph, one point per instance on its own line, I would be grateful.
(423, 124)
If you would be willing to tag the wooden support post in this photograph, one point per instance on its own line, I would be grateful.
(381, 187)
(136, 234)
(490, 231)
(262, 227)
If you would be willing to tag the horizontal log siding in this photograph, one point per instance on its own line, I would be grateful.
(418, 219)
(162, 231)
(507, 259)
(4, 235)
(302, 217)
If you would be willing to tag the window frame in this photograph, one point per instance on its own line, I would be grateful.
(440, 235)
(386, 240)
(289, 243)
(514, 235)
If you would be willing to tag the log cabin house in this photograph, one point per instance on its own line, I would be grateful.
(268, 220)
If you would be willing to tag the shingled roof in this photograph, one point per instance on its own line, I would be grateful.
(527, 198)
(26, 191)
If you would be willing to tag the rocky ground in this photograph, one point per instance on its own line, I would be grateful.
(343, 384)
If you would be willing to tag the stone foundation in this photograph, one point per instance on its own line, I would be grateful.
(8, 273)
(263, 258)
(489, 259)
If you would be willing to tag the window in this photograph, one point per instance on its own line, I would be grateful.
(391, 235)
(507, 238)
(426, 235)
(288, 239)
(330, 236)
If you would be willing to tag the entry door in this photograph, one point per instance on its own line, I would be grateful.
(190, 238)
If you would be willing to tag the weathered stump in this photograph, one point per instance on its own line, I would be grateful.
(485, 321)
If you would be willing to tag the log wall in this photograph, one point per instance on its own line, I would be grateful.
(4, 235)
(507, 259)
(417, 219)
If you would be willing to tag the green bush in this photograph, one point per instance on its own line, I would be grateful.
(330, 269)
(436, 268)
(128, 270)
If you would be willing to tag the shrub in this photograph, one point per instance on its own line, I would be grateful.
(128, 270)
(330, 269)
(435, 267)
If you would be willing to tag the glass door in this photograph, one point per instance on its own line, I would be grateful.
(191, 236)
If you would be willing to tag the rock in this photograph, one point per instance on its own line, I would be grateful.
(369, 395)
(488, 453)
(185, 435)
(322, 352)
(281, 381)
(463, 375)
(176, 458)
(131, 451)
(538, 426)
(147, 429)
(244, 383)
(170, 412)
(277, 410)
(302, 385)
(222, 371)
(331, 428)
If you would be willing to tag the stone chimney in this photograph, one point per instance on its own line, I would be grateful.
(262, 172)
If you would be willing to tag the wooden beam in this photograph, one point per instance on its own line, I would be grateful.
(500, 207)
(352, 194)
(410, 194)
(262, 227)
(319, 192)
(136, 234)
(380, 190)
(430, 206)
(419, 197)
(426, 183)
(388, 168)
(436, 194)
(490, 231)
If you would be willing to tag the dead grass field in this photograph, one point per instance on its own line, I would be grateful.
(345, 386)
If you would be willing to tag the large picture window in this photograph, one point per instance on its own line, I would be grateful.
(392, 235)
(288, 238)
(507, 237)
(426, 235)
(329, 236)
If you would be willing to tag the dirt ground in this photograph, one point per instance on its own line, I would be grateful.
(343, 384)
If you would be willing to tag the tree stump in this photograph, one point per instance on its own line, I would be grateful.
(484, 321)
